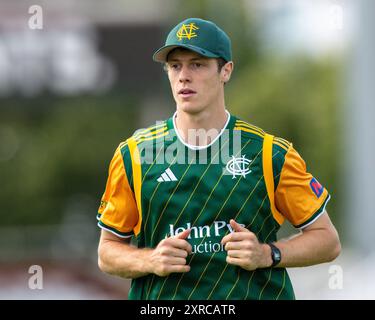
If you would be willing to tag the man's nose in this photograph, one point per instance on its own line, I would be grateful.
(185, 75)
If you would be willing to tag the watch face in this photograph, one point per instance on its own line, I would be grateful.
(277, 256)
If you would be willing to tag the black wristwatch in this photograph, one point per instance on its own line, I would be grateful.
(275, 255)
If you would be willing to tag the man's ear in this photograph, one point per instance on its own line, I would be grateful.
(226, 71)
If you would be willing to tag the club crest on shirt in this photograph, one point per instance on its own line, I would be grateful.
(316, 187)
(238, 166)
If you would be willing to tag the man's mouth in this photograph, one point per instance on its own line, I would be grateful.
(186, 92)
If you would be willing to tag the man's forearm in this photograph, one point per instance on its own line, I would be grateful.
(124, 260)
(118, 257)
(309, 248)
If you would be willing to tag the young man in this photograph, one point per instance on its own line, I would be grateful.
(205, 193)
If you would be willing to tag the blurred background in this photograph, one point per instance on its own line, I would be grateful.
(77, 78)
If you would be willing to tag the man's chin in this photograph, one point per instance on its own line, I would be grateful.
(189, 107)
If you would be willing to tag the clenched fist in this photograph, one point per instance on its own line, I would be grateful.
(170, 255)
(244, 250)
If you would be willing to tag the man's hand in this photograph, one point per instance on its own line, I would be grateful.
(244, 250)
(170, 255)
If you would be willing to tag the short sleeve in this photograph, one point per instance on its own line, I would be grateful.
(118, 211)
(299, 196)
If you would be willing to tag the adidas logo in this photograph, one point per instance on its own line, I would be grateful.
(167, 175)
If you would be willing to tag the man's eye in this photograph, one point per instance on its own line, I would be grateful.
(197, 65)
(174, 66)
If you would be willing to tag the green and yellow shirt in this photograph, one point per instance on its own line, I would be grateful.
(159, 186)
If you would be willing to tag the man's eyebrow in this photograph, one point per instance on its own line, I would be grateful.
(192, 59)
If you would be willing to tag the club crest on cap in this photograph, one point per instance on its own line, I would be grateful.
(187, 31)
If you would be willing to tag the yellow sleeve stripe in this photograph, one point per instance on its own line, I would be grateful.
(137, 180)
(154, 127)
(249, 130)
(268, 177)
(149, 133)
(123, 144)
(142, 138)
(283, 142)
(250, 126)
(281, 145)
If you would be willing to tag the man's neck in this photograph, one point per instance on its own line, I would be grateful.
(202, 128)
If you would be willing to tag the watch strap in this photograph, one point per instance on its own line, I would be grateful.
(275, 254)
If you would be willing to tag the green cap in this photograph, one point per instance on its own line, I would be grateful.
(201, 36)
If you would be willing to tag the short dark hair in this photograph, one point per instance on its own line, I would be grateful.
(220, 61)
